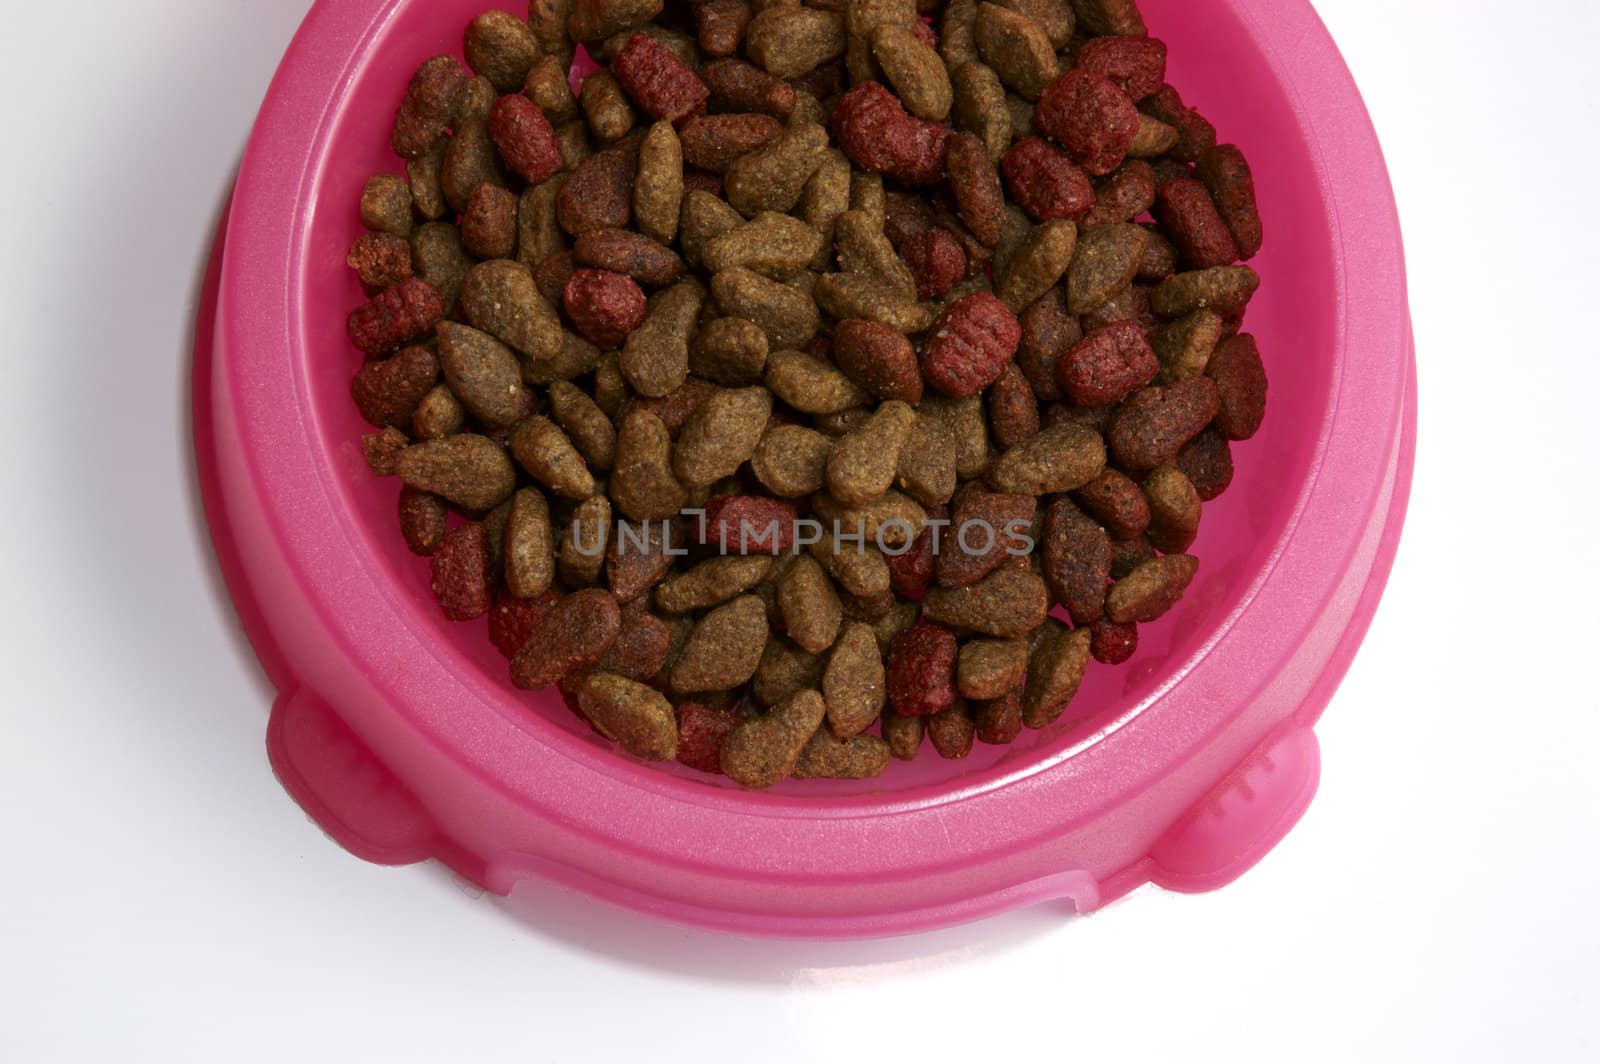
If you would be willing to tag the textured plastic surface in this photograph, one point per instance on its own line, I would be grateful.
(396, 729)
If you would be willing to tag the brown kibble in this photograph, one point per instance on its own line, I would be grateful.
(721, 435)
(703, 218)
(637, 559)
(763, 751)
(729, 351)
(786, 314)
(711, 583)
(502, 299)
(1224, 289)
(1061, 458)
(790, 460)
(788, 42)
(858, 568)
(857, 295)
(471, 471)
(828, 757)
(605, 107)
(927, 466)
(853, 682)
(545, 452)
(643, 484)
(585, 542)
(636, 717)
(437, 258)
(879, 359)
(655, 358)
(386, 205)
(1174, 510)
(864, 249)
(469, 161)
(772, 177)
(1226, 175)
(771, 244)
(658, 185)
(809, 384)
(1040, 261)
(1105, 262)
(863, 462)
(1009, 602)
(381, 449)
(1048, 332)
(539, 233)
(980, 110)
(715, 142)
(903, 733)
(809, 604)
(1017, 48)
(914, 70)
(502, 48)
(529, 545)
(724, 649)
(998, 721)
(1185, 346)
(547, 86)
(438, 415)
(422, 177)
(785, 670)
(991, 668)
(951, 732)
(575, 357)
(482, 372)
(965, 421)
(585, 424)
(1055, 669)
(380, 260)
(1152, 589)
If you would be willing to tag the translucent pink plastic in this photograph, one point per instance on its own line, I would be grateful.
(397, 730)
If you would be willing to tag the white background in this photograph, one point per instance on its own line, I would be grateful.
(163, 900)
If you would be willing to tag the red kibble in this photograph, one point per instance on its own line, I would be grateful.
(1090, 117)
(526, 141)
(400, 314)
(748, 524)
(969, 344)
(937, 261)
(1196, 135)
(1227, 176)
(701, 730)
(604, 306)
(911, 573)
(1107, 365)
(1241, 387)
(741, 86)
(1044, 182)
(878, 134)
(423, 520)
(1113, 644)
(387, 391)
(921, 673)
(571, 637)
(1184, 208)
(1136, 65)
(876, 357)
(460, 567)
(512, 619)
(925, 33)
(657, 80)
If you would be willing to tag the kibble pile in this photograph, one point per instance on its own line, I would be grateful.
(769, 393)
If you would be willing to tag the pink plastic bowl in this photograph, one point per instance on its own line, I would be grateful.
(398, 732)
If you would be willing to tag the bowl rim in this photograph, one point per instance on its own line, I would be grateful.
(262, 325)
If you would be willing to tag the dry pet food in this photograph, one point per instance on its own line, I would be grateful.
(810, 379)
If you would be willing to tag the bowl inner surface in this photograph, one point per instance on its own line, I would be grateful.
(1217, 67)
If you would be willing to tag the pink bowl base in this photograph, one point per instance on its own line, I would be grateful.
(397, 731)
